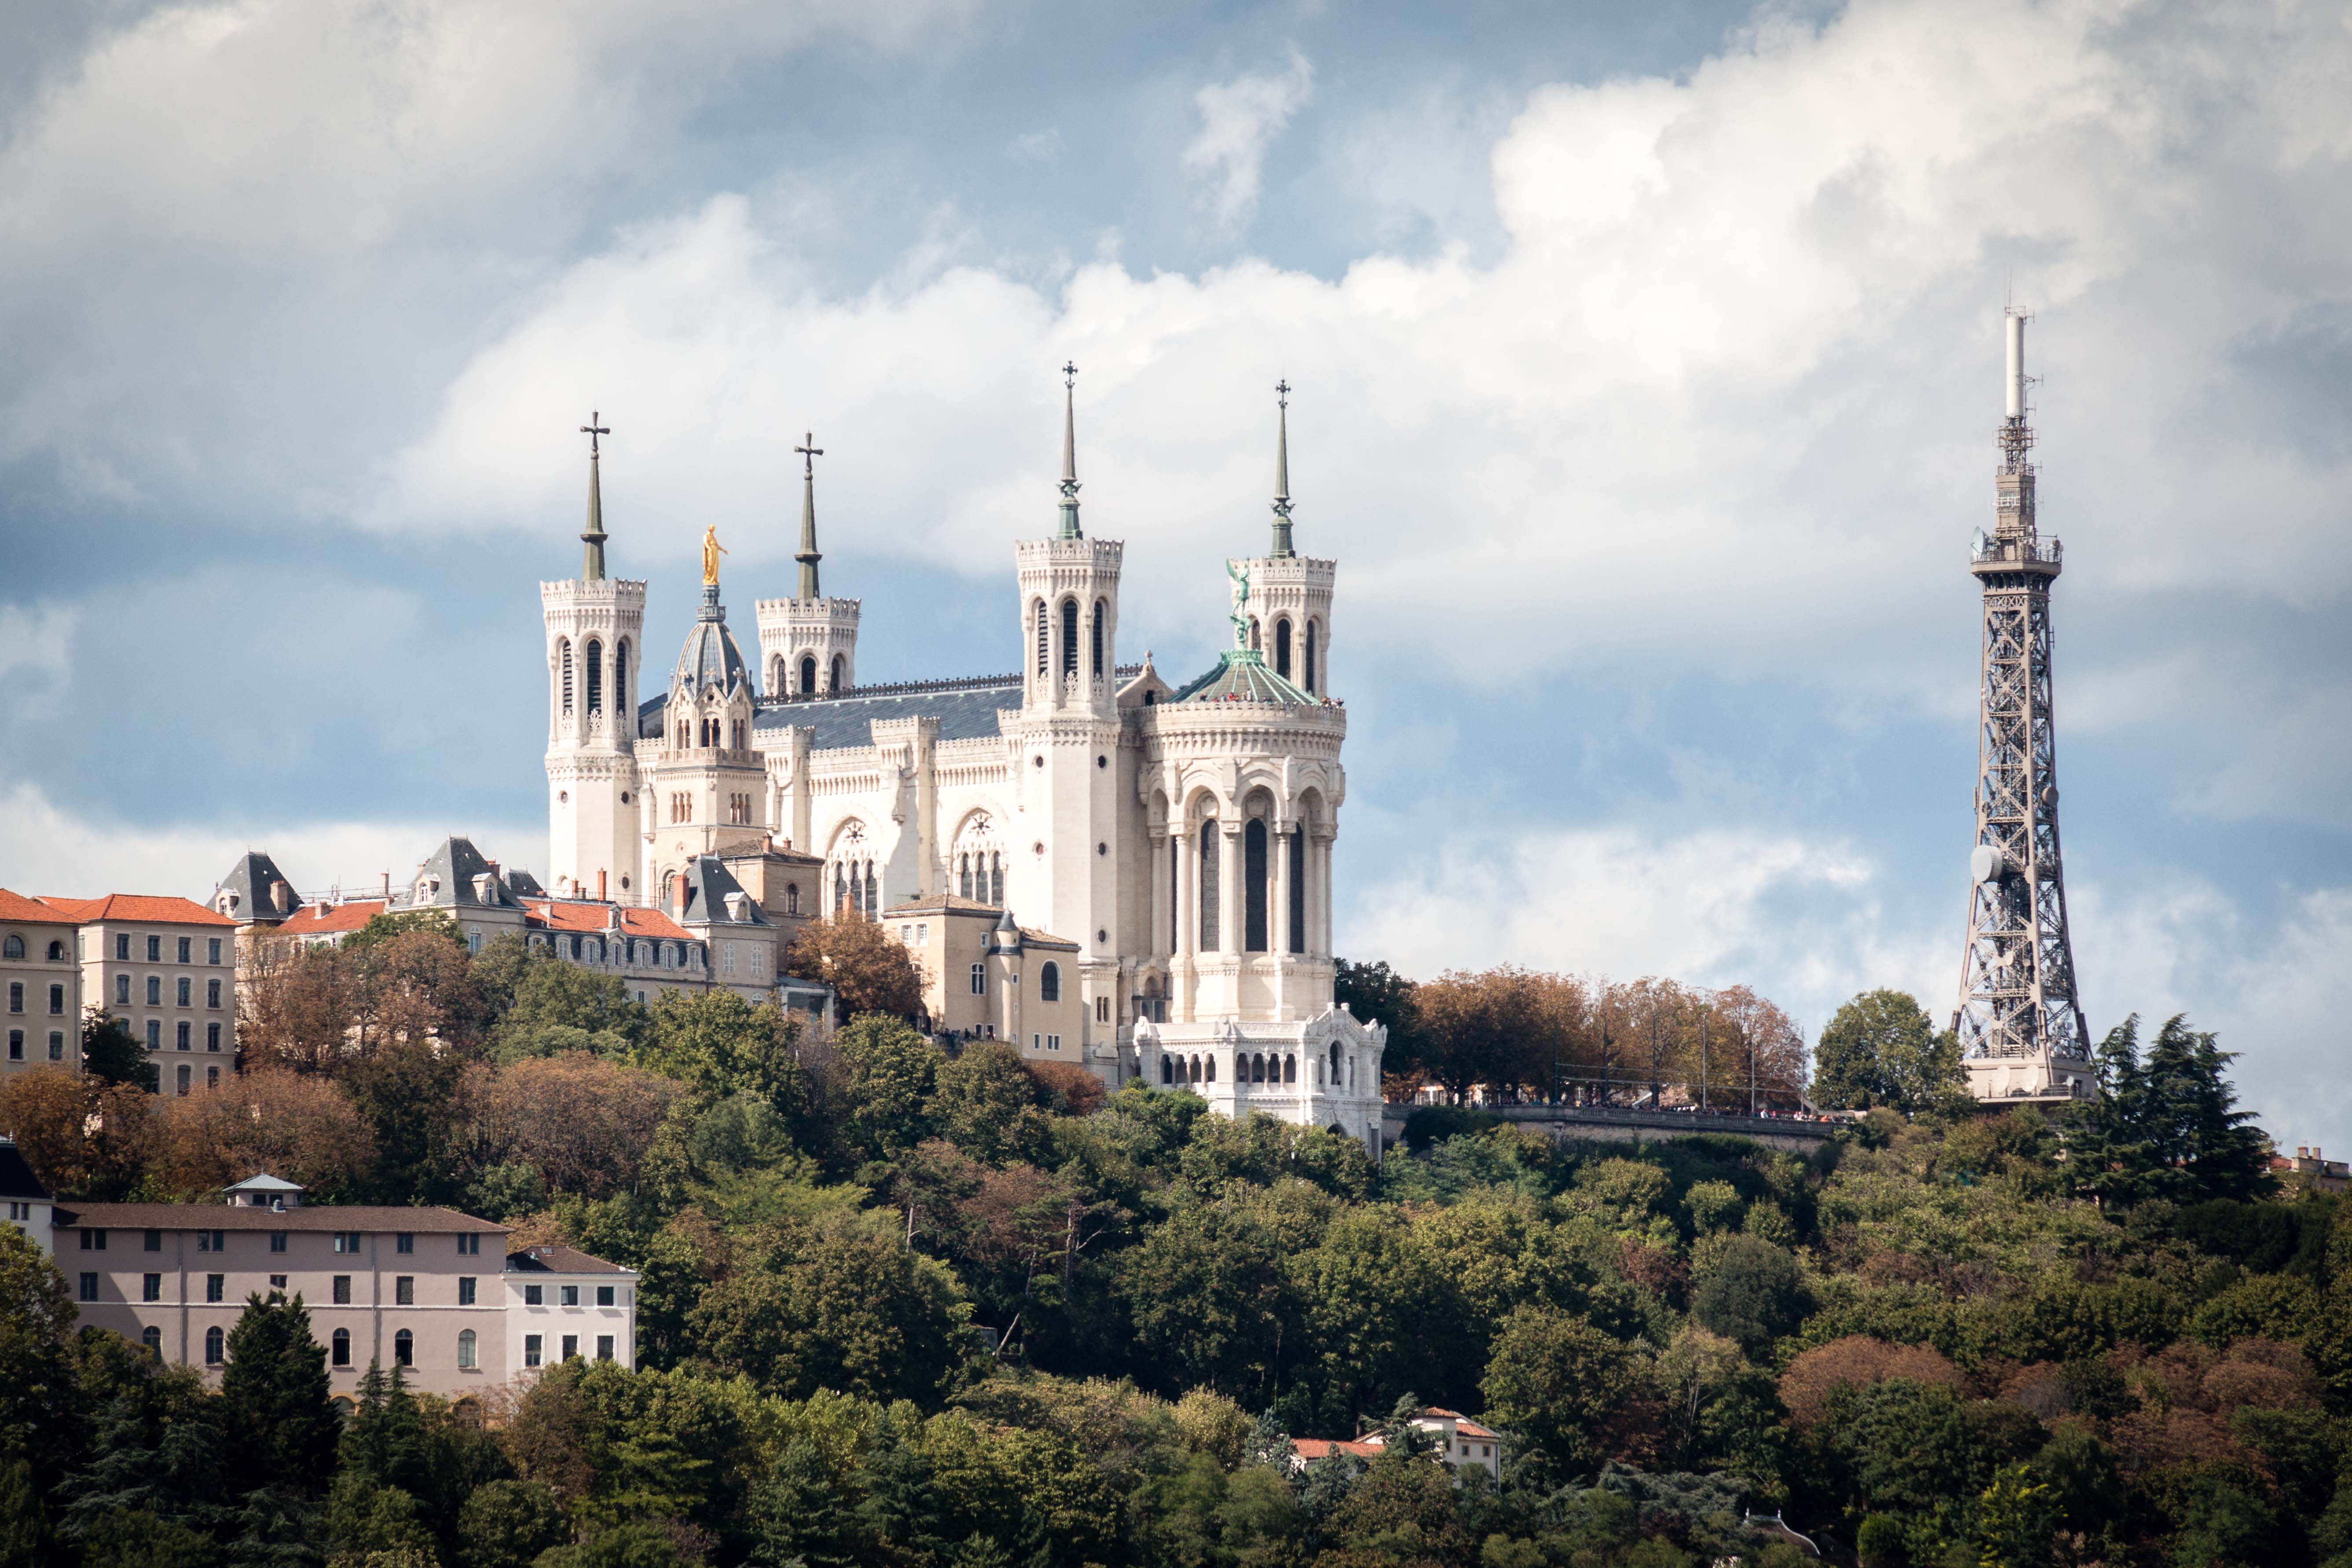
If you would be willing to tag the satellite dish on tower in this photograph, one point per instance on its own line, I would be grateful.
(1987, 864)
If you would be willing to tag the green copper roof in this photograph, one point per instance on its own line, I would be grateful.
(1242, 676)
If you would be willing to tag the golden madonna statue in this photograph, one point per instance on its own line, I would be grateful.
(711, 551)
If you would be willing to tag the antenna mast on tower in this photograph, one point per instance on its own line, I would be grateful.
(2020, 1028)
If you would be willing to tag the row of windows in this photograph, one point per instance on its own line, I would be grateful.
(565, 1295)
(807, 684)
(594, 653)
(16, 1045)
(534, 1351)
(1257, 1067)
(185, 947)
(1282, 649)
(1096, 623)
(1257, 905)
(855, 887)
(708, 734)
(1044, 1042)
(13, 946)
(1049, 981)
(186, 1080)
(982, 877)
(57, 998)
(629, 951)
(183, 993)
(184, 1035)
(345, 1241)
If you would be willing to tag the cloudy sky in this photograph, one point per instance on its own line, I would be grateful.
(1646, 358)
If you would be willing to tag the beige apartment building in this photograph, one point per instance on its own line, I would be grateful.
(40, 978)
(427, 1290)
(985, 977)
(167, 968)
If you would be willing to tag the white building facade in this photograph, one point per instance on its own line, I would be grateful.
(1177, 840)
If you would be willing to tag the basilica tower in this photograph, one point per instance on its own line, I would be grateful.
(2022, 1032)
(594, 626)
(1067, 858)
(1290, 594)
(706, 784)
(808, 643)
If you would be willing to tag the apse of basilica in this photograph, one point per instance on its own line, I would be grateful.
(1102, 867)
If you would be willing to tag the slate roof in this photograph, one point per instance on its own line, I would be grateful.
(710, 657)
(708, 884)
(16, 907)
(142, 907)
(251, 880)
(456, 862)
(554, 1260)
(16, 1178)
(238, 1217)
(966, 711)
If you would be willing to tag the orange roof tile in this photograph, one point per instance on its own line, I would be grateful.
(1311, 1448)
(149, 908)
(30, 911)
(330, 919)
(590, 918)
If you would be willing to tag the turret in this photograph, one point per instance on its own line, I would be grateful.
(808, 643)
(594, 625)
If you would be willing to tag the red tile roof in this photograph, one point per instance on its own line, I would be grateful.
(330, 919)
(146, 907)
(30, 911)
(1313, 1448)
(594, 918)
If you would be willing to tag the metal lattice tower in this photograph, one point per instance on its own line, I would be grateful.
(2022, 1031)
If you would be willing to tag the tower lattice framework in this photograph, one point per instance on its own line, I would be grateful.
(2021, 1027)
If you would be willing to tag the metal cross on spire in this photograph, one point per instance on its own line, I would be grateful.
(592, 538)
(807, 555)
(1070, 451)
(1282, 548)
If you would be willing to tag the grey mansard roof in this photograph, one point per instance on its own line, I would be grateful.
(251, 880)
(710, 657)
(966, 711)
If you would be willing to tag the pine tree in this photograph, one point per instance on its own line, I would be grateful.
(2166, 1127)
(279, 1426)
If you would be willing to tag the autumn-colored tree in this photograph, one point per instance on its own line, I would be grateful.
(1500, 1026)
(83, 1136)
(583, 1122)
(401, 980)
(300, 1126)
(295, 1006)
(1761, 1051)
(1857, 1361)
(866, 968)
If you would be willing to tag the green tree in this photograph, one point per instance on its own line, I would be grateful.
(1375, 993)
(278, 1424)
(112, 1053)
(506, 1524)
(2168, 1128)
(553, 1006)
(1210, 1300)
(1880, 1049)
(1752, 1292)
(150, 1447)
(985, 1103)
(406, 1093)
(40, 1402)
(726, 1046)
(893, 1075)
(26, 1539)
(1559, 1384)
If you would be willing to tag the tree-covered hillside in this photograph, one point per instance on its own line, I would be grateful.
(903, 1308)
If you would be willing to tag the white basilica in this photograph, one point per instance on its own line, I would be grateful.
(1171, 846)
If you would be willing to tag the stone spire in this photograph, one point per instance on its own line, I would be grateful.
(592, 538)
(1070, 453)
(1282, 551)
(807, 555)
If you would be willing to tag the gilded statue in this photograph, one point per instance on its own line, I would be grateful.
(711, 551)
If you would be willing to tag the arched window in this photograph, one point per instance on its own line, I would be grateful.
(1209, 1070)
(341, 1353)
(1257, 1067)
(1069, 636)
(963, 874)
(465, 1343)
(621, 677)
(1049, 982)
(791, 898)
(808, 676)
(873, 895)
(980, 980)
(1281, 649)
(1255, 645)
(215, 1346)
(840, 674)
(12, 948)
(1192, 1070)
(595, 656)
(1294, 846)
(1317, 690)
(1102, 610)
(152, 1338)
(1253, 885)
(564, 649)
(1290, 1069)
(57, 949)
(403, 1348)
(1042, 665)
(1210, 897)
(1335, 1064)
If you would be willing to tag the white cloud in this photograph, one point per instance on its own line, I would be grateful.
(49, 849)
(1239, 119)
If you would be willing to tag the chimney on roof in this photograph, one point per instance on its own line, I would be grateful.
(282, 898)
(677, 893)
